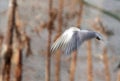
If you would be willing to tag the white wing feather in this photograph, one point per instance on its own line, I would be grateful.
(62, 41)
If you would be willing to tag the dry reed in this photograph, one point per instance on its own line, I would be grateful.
(17, 55)
(80, 11)
(89, 61)
(118, 75)
(48, 55)
(8, 41)
(72, 6)
(17, 62)
(106, 64)
(58, 55)
(73, 66)
(74, 54)
(99, 26)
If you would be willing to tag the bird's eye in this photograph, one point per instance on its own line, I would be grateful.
(98, 38)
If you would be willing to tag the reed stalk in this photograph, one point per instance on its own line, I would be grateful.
(118, 75)
(81, 5)
(72, 9)
(72, 6)
(98, 26)
(17, 62)
(105, 57)
(58, 55)
(8, 41)
(89, 61)
(17, 55)
(106, 64)
(73, 66)
(74, 54)
(48, 55)
(18, 69)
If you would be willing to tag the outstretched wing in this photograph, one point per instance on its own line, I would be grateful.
(58, 43)
(67, 41)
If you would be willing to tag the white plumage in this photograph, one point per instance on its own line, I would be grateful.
(72, 38)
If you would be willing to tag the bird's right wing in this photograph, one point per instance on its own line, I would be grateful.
(68, 42)
(57, 44)
(63, 41)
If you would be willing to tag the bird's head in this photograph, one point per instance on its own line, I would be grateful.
(98, 36)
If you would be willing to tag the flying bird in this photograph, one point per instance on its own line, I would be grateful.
(72, 38)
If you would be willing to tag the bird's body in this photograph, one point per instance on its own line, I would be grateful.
(72, 38)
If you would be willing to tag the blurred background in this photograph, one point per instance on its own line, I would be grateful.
(40, 21)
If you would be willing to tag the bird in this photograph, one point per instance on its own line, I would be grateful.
(72, 38)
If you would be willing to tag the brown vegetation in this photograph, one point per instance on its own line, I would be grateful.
(48, 55)
(16, 39)
(58, 55)
(74, 54)
(89, 61)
